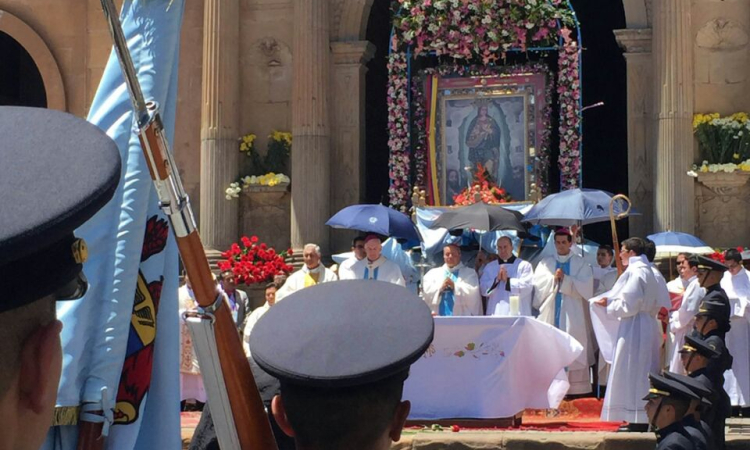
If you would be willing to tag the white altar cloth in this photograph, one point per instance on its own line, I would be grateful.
(490, 367)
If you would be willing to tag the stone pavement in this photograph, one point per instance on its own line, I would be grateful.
(738, 438)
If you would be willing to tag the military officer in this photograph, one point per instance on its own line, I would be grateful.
(342, 352)
(667, 404)
(699, 430)
(697, 355)
(56, 171)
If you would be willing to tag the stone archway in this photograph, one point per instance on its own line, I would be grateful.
(40, 54)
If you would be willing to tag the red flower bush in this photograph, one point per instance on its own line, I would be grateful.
(717, 256)
(489, 192)
(254, 263)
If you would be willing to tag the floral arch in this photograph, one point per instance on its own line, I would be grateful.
(474, 38)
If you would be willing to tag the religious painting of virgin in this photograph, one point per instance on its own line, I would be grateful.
(489, 131)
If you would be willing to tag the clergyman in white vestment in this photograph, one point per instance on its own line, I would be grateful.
(681, 323)
(507, 276)
(603, 267)
(358, 249)
(563, 283)
(635, 340)
(452, 289)
(375, 266)
(312, 273)
(679, 284)
(254, 317)
(736, 283)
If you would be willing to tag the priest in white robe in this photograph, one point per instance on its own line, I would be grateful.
(506, 276)
(604, 257)
(677, 286)
(633, 343)
(663, 300)
(358, 254)
(736, 283)
(452, 289)
(254, 317)
(374, 266)
(563, 283)
(312, 273)
(681, 323)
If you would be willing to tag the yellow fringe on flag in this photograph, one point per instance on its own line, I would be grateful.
(66, 415)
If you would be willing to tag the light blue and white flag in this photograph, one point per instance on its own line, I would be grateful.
(121, 341)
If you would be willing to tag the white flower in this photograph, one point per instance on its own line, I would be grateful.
(409, 35)
(487, 19)
(492, 35)
(440, 5)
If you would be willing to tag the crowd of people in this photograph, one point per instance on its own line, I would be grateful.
(659, 327)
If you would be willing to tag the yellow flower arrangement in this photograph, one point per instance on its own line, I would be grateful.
(280, 136)
(275, 161)
(700, 119)
(246, 143)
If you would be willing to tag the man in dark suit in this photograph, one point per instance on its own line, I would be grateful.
(238, 302)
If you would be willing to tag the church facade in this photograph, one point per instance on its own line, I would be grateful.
(300, 65)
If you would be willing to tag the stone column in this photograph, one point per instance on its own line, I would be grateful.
(219, 217)
(348, 125)
(311, 152)
(641, 165)
(674, 96)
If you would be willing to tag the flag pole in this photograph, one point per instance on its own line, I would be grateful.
(247, 410)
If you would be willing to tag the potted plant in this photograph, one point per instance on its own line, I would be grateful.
(267, 173)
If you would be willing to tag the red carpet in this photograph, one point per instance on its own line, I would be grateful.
(576, 415)
(579, 414)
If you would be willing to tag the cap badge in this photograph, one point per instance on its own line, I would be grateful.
(80, 251)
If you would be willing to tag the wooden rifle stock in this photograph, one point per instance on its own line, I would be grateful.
(250, 419)
(253, 428)
(612, 219)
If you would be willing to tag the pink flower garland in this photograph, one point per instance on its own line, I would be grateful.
(479, 30)
(419, 124)
(465, 29)
(398, 129)
(569, 92)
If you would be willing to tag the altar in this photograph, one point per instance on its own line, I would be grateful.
(489, 368)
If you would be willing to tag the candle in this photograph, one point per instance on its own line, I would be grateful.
(515, 304)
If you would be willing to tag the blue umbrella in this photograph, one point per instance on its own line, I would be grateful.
(377, 219)
(673, 242)
(574, 207)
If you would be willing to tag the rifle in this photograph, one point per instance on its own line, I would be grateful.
(253, 430)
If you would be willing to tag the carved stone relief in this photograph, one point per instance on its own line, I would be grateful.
(721, 52)
(722, 207)
(269, 77)
(722, 35)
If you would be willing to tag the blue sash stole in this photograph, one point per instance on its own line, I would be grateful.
(374, 273)
(447, 298)
(559, 297)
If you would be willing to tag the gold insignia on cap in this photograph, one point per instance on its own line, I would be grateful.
(659, 392)
(80, 251)
(688, 348)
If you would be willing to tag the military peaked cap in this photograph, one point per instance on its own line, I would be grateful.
(343, 334)
(57, 170)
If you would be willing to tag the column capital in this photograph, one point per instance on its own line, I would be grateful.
(634, 40)
(352, 52)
